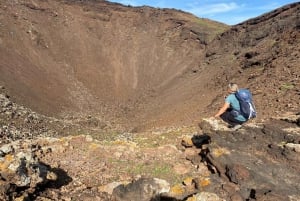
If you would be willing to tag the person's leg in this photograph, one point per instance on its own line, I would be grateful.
(229, 118)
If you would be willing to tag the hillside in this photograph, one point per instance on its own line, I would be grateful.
(263, 54)
(143, 67)
(94, 57)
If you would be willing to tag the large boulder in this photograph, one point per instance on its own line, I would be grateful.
(143, 189)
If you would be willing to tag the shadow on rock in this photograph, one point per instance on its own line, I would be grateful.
(62, 179)
(56, 180)
(23, 176)
(199, 140)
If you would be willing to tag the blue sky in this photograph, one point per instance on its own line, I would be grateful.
(227, 11)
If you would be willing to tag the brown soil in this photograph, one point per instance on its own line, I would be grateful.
(94, 57)
(143, 66)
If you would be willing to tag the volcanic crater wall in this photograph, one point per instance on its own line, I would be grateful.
(93, 56)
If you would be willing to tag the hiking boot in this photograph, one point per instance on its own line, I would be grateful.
(236, 127)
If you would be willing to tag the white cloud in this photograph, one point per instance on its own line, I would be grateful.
(213, 8)
(270, 6)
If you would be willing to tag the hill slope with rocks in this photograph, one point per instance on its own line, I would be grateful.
(143, 67)
(100, 101)
(263, 55)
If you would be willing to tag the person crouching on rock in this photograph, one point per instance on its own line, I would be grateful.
(229, 112)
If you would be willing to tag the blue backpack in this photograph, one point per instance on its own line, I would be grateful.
(247, 108)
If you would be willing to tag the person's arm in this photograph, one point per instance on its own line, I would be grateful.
(223, 109)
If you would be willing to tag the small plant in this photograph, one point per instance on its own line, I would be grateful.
(137, 169)
(161, 170)
(286, 86)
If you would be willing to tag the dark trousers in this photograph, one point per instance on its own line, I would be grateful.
(228, 117)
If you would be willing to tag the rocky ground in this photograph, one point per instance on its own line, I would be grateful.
(205, 162)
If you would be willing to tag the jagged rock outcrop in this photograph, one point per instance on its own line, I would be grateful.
(260, 161)
(22, 174)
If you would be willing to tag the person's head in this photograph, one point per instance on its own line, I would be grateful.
(232, 87)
